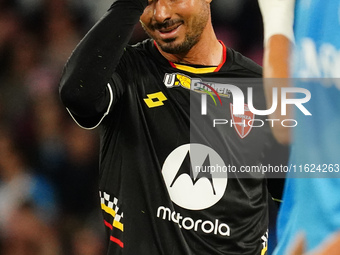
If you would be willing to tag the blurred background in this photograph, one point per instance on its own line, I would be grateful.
(48, 165)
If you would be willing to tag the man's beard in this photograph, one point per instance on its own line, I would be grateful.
(170, 45)
(191, 37)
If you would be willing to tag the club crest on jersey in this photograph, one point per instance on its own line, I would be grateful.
(172, 80)
(242, 122)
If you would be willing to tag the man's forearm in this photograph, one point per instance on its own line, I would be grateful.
(277, 57)
(84, 80)
(278, 20)
(276, 65)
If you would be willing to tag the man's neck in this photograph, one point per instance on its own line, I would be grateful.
(207, 51)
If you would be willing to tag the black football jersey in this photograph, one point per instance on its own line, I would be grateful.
(172, 153)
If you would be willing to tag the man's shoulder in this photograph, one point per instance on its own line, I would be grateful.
(239, 62)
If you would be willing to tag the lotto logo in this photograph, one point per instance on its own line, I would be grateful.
(155, 99)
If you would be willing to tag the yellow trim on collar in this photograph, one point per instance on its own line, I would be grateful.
(195, 69)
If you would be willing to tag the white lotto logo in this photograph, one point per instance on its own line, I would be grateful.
(189, 179)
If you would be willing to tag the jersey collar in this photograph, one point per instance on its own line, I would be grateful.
(199, 69)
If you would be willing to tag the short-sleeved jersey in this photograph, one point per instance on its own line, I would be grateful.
(311, 199)
(165, 187)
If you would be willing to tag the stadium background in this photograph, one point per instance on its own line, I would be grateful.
(48, 166)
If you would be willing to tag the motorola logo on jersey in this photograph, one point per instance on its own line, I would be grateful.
(187, 223)
(188, 177)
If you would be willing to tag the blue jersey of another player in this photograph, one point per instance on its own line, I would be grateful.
(312, 194)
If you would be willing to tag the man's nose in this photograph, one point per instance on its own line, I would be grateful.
(162, 11)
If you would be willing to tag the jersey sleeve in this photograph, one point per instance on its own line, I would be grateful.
(114, 89)
(89, 86)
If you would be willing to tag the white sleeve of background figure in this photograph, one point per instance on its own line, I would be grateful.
(278, 18)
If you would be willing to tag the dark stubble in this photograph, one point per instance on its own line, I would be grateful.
(193, 35)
